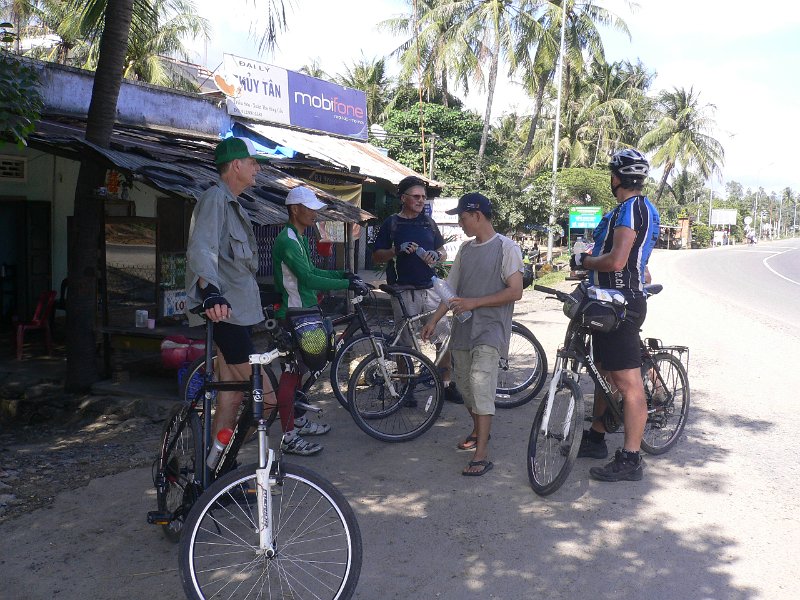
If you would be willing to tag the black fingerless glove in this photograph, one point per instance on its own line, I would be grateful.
(357, 286)
(576, 260)
(212, 297)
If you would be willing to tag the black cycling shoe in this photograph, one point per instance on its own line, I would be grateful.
(451, 394)
(626, 466)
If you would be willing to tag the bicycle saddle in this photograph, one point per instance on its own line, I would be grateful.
(396, 290)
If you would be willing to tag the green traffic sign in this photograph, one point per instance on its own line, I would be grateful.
(585, 217)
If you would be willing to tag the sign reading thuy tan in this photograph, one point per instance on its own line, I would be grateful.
(264, 92)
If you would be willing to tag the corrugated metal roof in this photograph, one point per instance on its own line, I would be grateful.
(182, 165)
(345, 153)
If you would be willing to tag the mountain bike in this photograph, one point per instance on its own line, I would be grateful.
(270, 529)
(521, 375)
(557, 427)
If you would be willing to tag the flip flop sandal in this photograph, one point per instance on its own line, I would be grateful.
(469, 443)
(486, 464)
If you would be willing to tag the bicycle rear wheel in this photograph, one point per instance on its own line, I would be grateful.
(317, 541)
(178, 464)
(667, 402)
(192, 384)
(522, 376)
(411, 410)
(352, 351)
(555, 438)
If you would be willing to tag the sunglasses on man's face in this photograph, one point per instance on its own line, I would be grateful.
(422, 197)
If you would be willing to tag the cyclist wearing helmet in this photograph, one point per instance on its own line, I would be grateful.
(623, 242)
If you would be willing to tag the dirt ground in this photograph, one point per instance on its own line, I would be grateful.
(39, 461)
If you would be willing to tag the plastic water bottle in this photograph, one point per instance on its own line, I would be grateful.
(220, 443)
(446, 294)
(579, 247)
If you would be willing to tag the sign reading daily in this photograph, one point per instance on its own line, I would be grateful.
(585, 217)
(263, 92)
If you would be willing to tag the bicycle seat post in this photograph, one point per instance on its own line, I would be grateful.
(209, 377)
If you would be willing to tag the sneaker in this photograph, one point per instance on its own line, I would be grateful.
(451, 394)
(305, 427)
(588, 449)
(622, 468)
(297, 445)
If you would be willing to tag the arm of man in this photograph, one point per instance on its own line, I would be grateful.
(427, 330)
(383, 250)
(617, 258)
(299, 264)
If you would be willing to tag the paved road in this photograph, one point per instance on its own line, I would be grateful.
(715, 518)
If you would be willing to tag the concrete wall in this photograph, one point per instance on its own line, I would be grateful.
(68, 91)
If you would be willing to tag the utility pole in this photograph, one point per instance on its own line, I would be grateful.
(430, 162)
(552, 220)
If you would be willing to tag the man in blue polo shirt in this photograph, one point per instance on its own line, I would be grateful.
(411, 243)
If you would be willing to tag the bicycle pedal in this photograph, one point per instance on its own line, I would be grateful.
(157, 517)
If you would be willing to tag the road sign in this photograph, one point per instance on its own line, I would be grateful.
(584, 217)
(748, 219)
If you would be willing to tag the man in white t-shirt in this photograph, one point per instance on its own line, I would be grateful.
(487, 278)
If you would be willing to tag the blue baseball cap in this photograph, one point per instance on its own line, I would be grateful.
(472, 202)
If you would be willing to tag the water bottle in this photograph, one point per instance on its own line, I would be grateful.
(446, 293)
(223, 438)
(579, 247)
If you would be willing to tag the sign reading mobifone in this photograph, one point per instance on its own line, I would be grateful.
(585, 217)
(263, 92)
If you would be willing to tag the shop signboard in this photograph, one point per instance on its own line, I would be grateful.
(264, 92)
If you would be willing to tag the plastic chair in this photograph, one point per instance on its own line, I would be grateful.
(40, 320)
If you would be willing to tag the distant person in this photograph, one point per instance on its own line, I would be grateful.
(411, 244)
(623, 242)
(487, 278)
(221, 266)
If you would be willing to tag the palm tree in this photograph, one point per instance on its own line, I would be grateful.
(314, 70)
(369, 76)
(682, 136)
(85, 232)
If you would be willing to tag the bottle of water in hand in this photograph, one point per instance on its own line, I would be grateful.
(579, 247)
(446, 293)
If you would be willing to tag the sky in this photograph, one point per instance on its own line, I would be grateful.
(743, 61)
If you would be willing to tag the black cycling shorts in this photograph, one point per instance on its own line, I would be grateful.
(620, 349)
(234, 341)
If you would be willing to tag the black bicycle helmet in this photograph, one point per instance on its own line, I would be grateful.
(629, 163)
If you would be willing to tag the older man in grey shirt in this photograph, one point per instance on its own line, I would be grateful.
(221, 264)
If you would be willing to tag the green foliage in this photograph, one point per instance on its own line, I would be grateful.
(20, 100)
(701, 235)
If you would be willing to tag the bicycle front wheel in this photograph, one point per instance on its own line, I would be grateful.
(316, 540)
(555, 437)
(397, 397)
(180, 458)
(522, 376)
(353, 351)
(666, 387)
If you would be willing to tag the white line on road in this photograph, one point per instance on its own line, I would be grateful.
(775, 272)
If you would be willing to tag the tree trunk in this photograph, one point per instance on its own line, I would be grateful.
(83, 256)
(445, 99)
(489, 98)
(667, 169)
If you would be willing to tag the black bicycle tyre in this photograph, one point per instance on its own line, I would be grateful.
(528, 389)
(180, 457)
(372, 423)
(192, 384)
(657, 414)
(225, 510)
(545, 481)
(339, 381)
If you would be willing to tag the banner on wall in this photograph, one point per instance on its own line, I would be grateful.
(264, 92)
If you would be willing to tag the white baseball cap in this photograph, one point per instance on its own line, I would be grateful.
(303, 195)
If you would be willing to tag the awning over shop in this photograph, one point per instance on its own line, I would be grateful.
(346, 154)
(180, 164)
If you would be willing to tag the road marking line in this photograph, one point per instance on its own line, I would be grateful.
(775, 272)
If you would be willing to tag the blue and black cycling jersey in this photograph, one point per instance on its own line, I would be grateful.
(636, 213)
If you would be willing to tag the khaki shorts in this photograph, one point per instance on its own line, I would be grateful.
(417, 302)
(475, 374)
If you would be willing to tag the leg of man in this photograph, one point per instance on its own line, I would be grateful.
(483, 368)
(461, 376)
(228, 403)
(629, 383)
